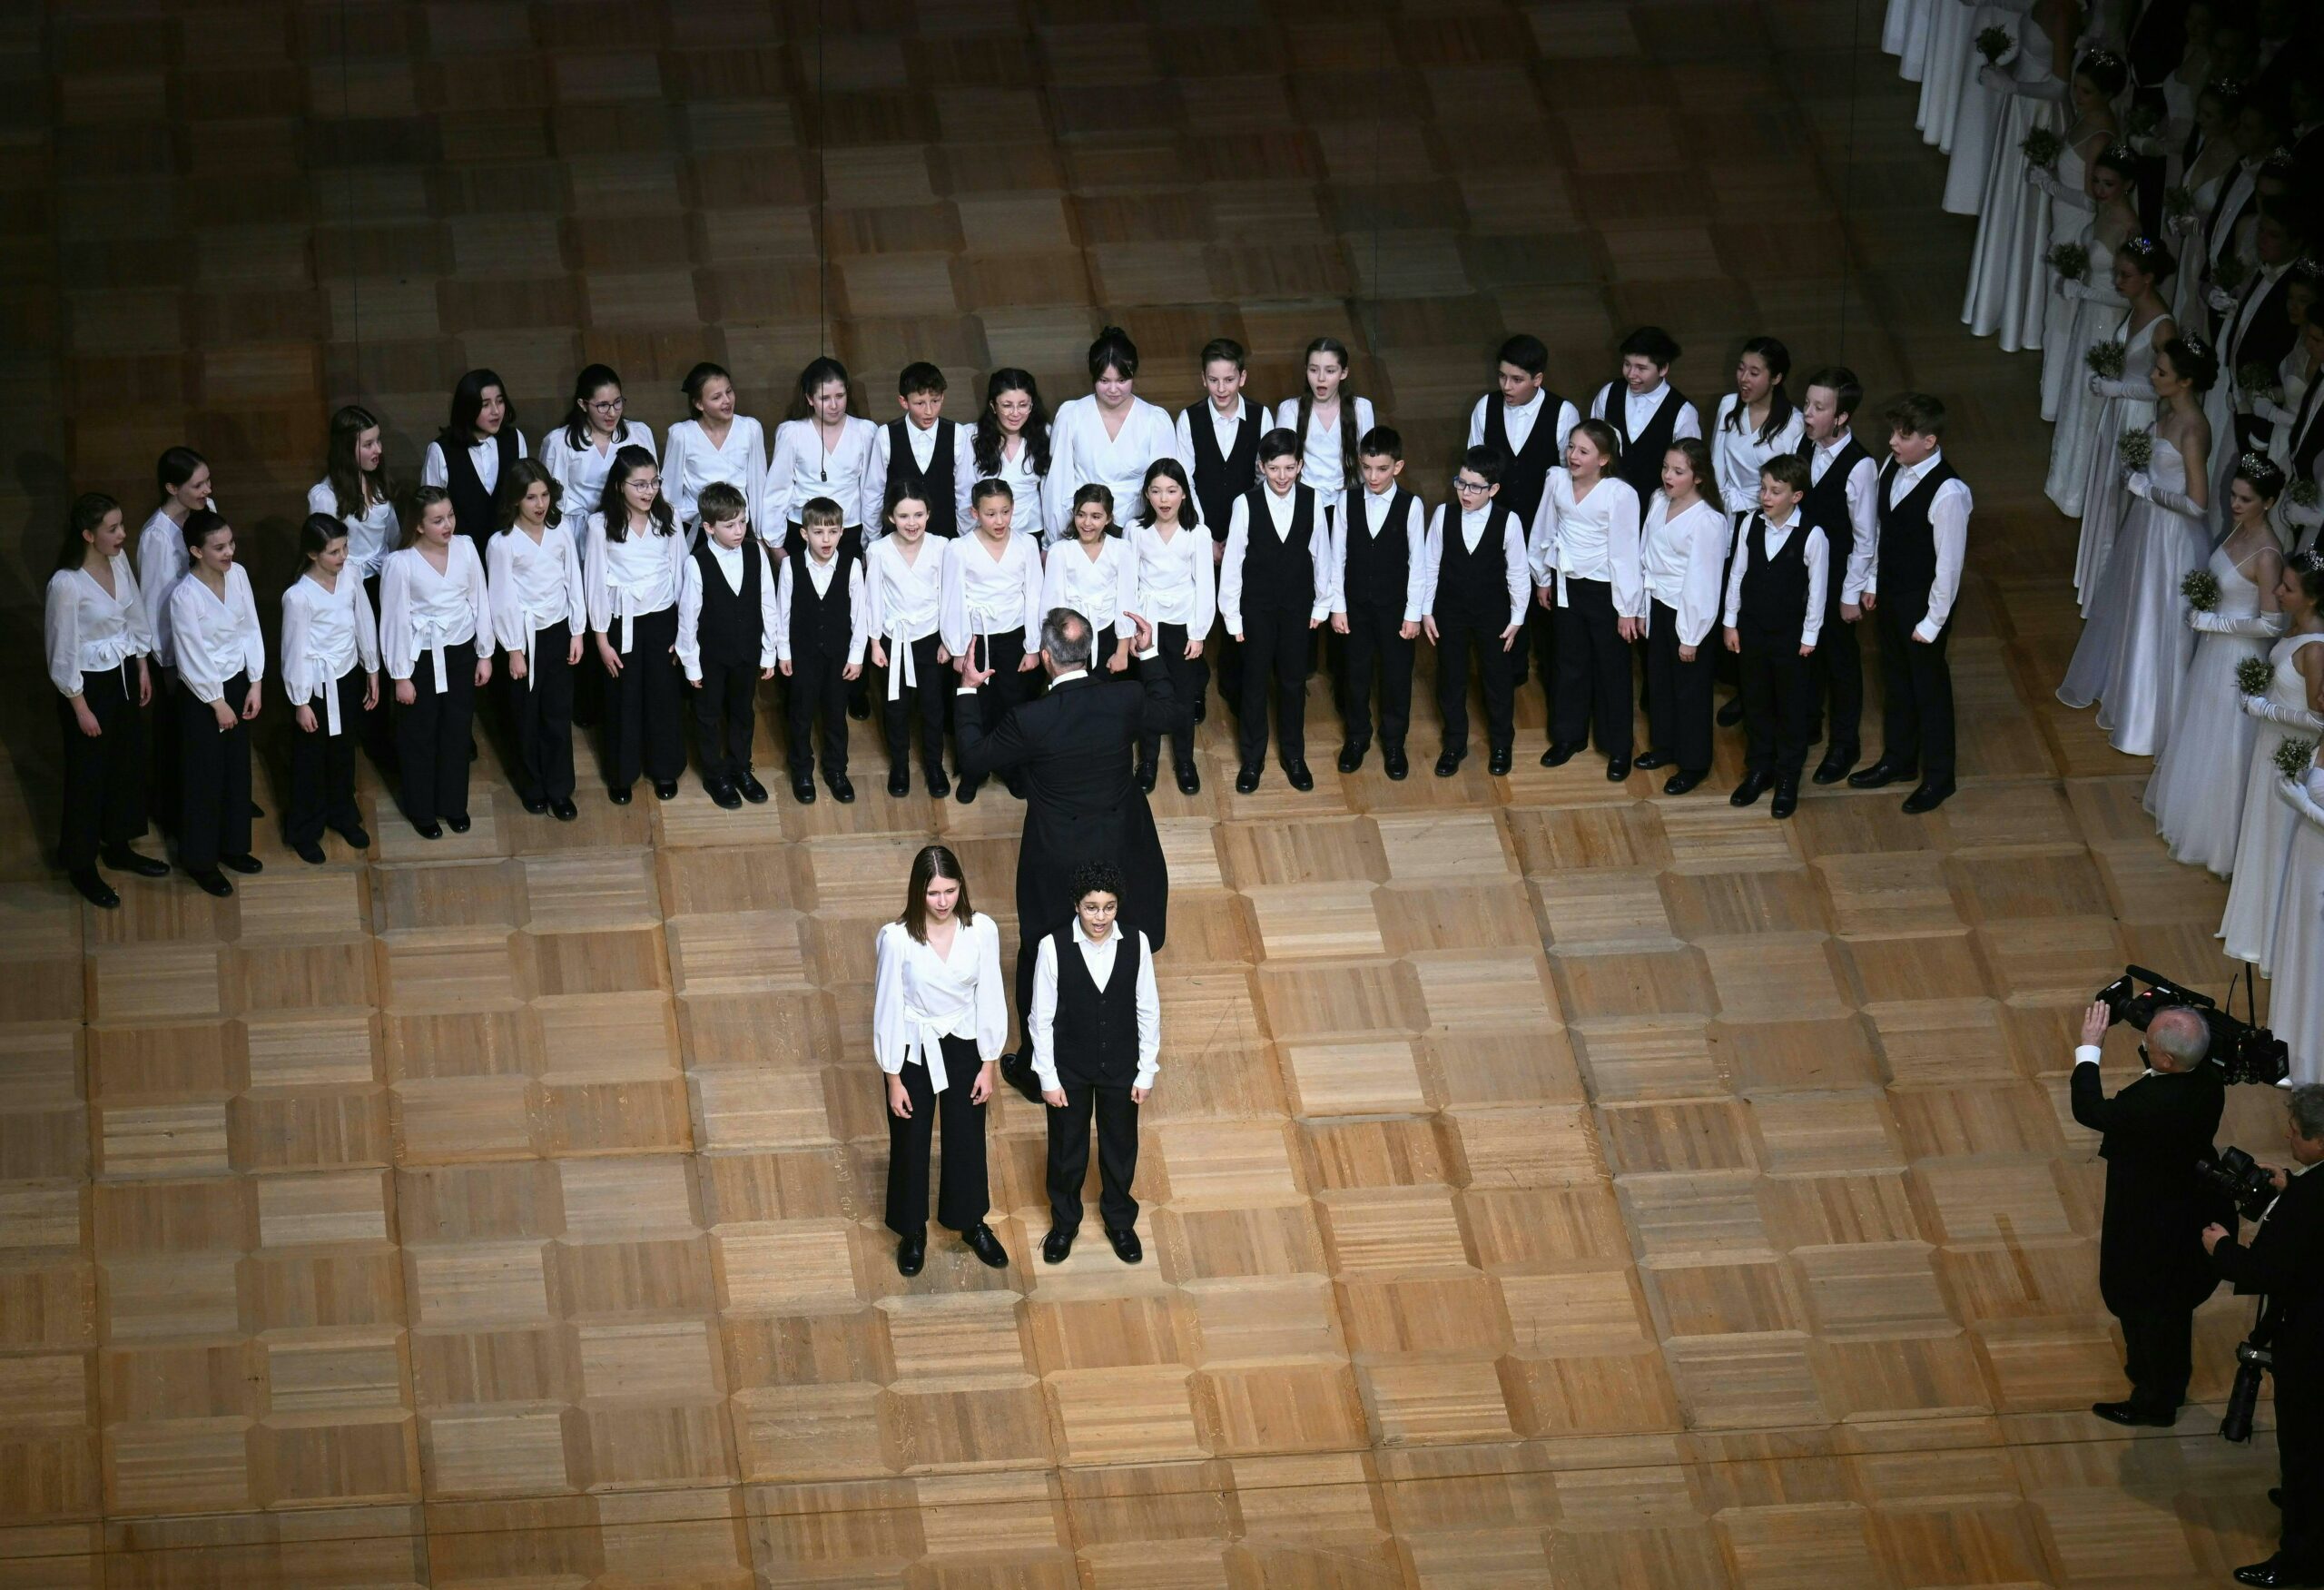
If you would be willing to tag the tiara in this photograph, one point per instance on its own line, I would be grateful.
(2141, 245)
(2308, 562)
(2227, 87)
(2308, 268)
(2102, 58)
(2194, 344)
(2119, 152)
(2254, 462)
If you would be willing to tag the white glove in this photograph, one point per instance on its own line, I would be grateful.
(1995, 79)
(2290, 718)
(2219, 299)
(2178, 502)
(2295, 794)
(2253, 624)
(2043, 178)
(2117, 387)
(2138, 483)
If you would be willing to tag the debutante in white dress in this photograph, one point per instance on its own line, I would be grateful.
(2134, 651)
(2250, 924)
(2080, 311)
(2008, 279)
(2126, 403)
(1952, 36)
(1977, 116)
(2296, 1002)
(2196, 795)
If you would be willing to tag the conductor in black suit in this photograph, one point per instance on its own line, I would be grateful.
(1075, 747)
(2286, 1262)
(2151, 1269)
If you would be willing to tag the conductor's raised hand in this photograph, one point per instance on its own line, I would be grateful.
(1143, 639)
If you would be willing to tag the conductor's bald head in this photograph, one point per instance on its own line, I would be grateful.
(1064, 641)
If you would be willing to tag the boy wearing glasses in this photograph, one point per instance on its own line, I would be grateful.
(1473, 588)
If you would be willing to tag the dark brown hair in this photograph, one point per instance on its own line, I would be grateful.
(933, 862)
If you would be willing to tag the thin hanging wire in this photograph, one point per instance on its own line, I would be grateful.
(1847, 174)
(347, 190)
(817, 130)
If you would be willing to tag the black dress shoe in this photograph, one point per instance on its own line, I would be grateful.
(1836, 764)
(1732, 713)
(1392, 763)
(900, 781)
(307, 850)
(665, 789)
(2276, 1575)
(94, 889)
(1650, 760)
(912, 1252)
(212, 882)
(1502, 758)
(1680, 782)
(430, 829)
(619, 796)
(842, 788)
(1017, 1070)
(2131, 1413)
(1056, 1245)
(1558, 756)
(1618, 768)
(1351, 757)
(536, 804)
(361, 839)
(1748, 792)
(938, 784)
(122, 859)
(1449, 763)
(1202, 709)
(858, 707)
(1148, 774)
(563, 810)
(1786, 799)
(986, 1246)
(1127, 1247)
(1301, 779)
(1881, 774)
(244, 865)
(1246, 780)
(725, 795)
(752, 790)
(965, 791)
(457, 823)
(1927, 798)
(802, 790)
(1189, 778)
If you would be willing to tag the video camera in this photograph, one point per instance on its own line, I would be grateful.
(2244, 1050)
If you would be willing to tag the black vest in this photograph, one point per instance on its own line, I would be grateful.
(1825, 507)
(1472, 588)
(819, 624)
(1641, 461)
(1221, 478)
(1379, 567)
(1279, 573)
(1096, 1035)
(1908, 543)
(2308, 433)
(1775, 591)
(935, 483)
(472, 506)
(728, 631)
(1527, 473)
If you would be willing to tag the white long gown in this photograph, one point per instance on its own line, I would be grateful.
(2131, 405)
(2250, 924)
(2077, 318)
(1977, 118)
(1951, 38)
(2296, 999)
(2134, 651)
(2195, 796)
(2009, 280)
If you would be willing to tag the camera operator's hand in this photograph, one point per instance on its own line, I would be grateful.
(2278, 1178)
(2094, 1023)
(2214, 1235)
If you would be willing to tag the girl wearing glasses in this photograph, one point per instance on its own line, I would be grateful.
(594, 430)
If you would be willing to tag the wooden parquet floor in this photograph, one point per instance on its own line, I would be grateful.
(1550, 1182)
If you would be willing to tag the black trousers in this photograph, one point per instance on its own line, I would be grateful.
(1778, 702)
(857, 692)
(962, 1195)
(164, 788)
(1593, 687)
(1456, 638)
(1916, 718)
(933, 696)
(541, 706)
(1375, 640)
(104, 778)
(432, 737)
(1839, 670)
(2299, 1448)
(376, 734)
(1117, 1117)
(323, 764)
(818, 689)
(1538, 642)
(2158, 1355)
(1189, 680)
(1274, 652)
(1678, 693)
(723, 720)
(1003, 654)
(642, 715)
(214, 779)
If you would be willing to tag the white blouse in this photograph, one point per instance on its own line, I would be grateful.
(1594, 538)
(1102, 589)
(690, 461)
(1027, 487)
(90, 631)
(422, 611)
(985, 594)
(1682, 556)
(534, 586)
(484, 458)
(216, 638)
(802, 470)
(581, 471)
(629, 578)
(324, 634)
(370, 535)
(1326, 452)
(161, 560)
(921, 997)
(1175, 581)
(818, 575)
(904, 600)
(1080, 453)
(1736, 456)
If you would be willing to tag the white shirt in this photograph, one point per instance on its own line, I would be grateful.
(1282, 509)
(217, 639)
(1040, 1021)
(1736, 456)
(1591, 538)
(1474, 523)
(1813, 551)
(161, 558)
(919, 998)
(1081, 453)
(820, 576)
(923, 448)
(1224, 428)
(1639, 409)
(1103, 589)
(370, 535)
(89, 631)
(534, 586)
(1948, 523)
(1017, 472)
(989, 595)
(581, 471)
(1327, 451)
(324, 634)
(1864, 512)
(690, 462)
(422, 611)
(1682, 556)
(1174, 581)
(1367, 519)
(484, 456)
(1517, 422)
(774, 627)
(628, 579)
(804, 470)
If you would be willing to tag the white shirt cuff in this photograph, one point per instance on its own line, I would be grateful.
(1146, 1074)
(2087, 1054)
(1046, 1076)
(1150, 653)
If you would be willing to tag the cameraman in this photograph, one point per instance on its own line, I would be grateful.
(2151, 1271)
(2286, 1262)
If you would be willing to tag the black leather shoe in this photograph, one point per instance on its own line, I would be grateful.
(244, 865)
(986, 1246)
(95, 890)
(1650, 760)
(1618, 768)
(1927, 798)
(1189, 778)
(1392, 763)
(1786, 799)
(307, 850)
(1835, 764)
(1127, 1247)
(537, 806)
(842, 788)
(2275, 1574)
(912, 1252)
(1500, 761)
(1301, 779)
(122, 859)
(1748, 792)
(938, 785)
(1881, 774)
(1056, 1245)
(1449, 763)
(431, 829)
(665, 789)
(2131, 1413)
(858, 707)
(1732, 713)
(1202, 709)
(620, 797)
(725, 795)
(752, 790)
(900, 781)
(1351, 757)
(802, 790)
(1246, 781)
(1558, 756)
(212, 882)
(1017, 1070)
(457, 823)
(1680, 782)
(564, 811)
(1149, 776)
